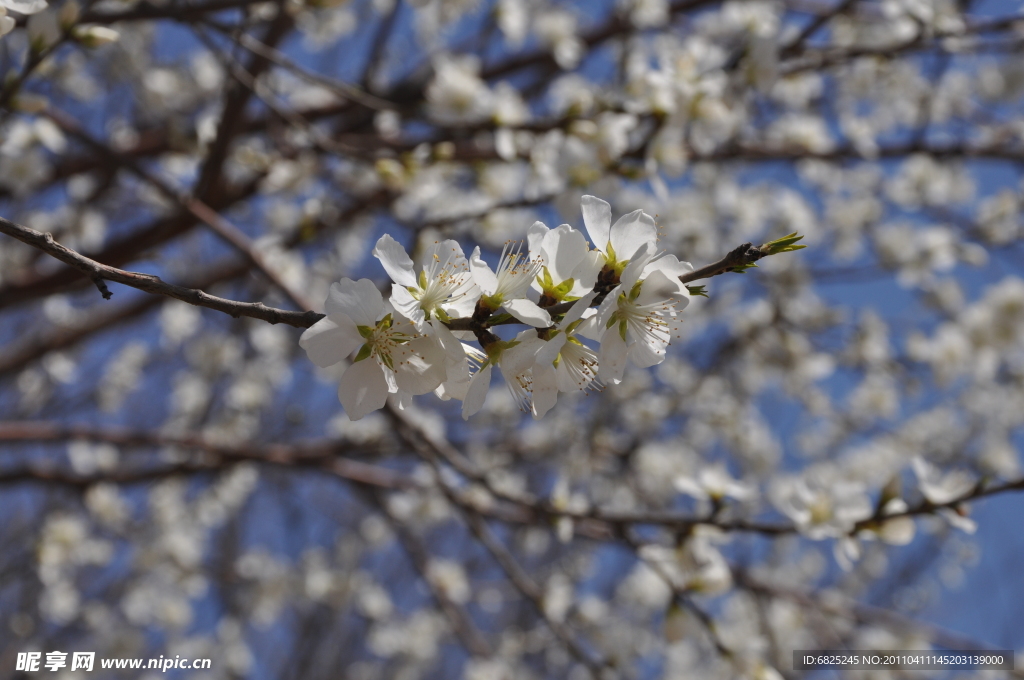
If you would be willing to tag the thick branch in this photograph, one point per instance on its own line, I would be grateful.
(153, 284)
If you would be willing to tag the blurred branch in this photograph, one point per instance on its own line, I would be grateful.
(525, 584)
(471, 637)
(209, 184)
(817, 23)
(385, 30)
(12, 83)
(346, 91)
(596, 524)
(183, 12)
(833, 604)
(322, 454)
(197, 208)
(125, 249)
(813, 60)
(618, 26)
(956, 505)
(31, 347)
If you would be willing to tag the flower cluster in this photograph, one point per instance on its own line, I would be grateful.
(590, 310)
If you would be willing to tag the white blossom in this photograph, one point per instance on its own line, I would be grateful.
(640, 316)
(713, 482)
(941, 487)
(457, 93)
(7, 23)
(569, 267)
(562, 363)
(509, 285)
(24, 6)
(622, 241)
(444, 287)
(394, 357)
(819, 509)
(515, 360)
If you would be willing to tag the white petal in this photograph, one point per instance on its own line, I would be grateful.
(444, 254)
(659, 288)
(578, 308)
(846, 550)
(528, 312)
(457, 368)
(477, 393)
(587, 270)
(545, 390)
(535, 237)
(568, 382)
(668, 284)
(591, 328)
(326, 343)
(395, 260)
(521, 358)
(400, 400)
(389, 376)
(483, 275)
(7, 24)
(958, 521)
(406, 305)
(453, 349)
(359, 301)
(452, 389)
(631, 274)
(670, 265)
(25, 6)
(604, 311)
(456, 360)
(632, 232)
(563, 249)
(547, 354)
(363, 389)
(690, 487)
(645, 355)
(612, 357)
(457, 382)
(597, 215)
(899, 531)
(423, 370)
(577, 369)
(465, 305)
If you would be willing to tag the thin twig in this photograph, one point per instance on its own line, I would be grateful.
(740, 256)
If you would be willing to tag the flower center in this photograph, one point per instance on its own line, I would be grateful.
(384, 341)
(515, 273)
(648, 323)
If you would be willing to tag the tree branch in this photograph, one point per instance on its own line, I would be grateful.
(744, 255)
(154, 284)
(741, 256)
